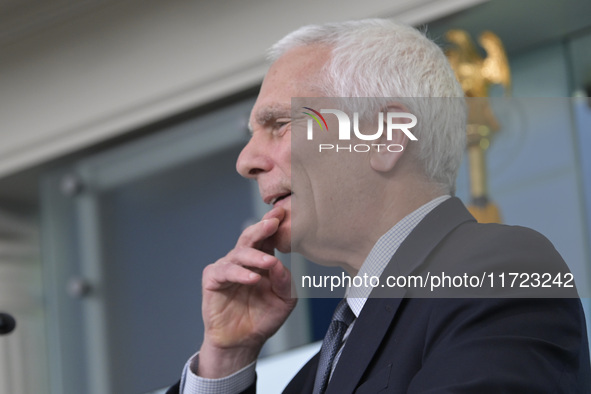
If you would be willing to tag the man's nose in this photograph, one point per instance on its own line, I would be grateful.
(253, 160)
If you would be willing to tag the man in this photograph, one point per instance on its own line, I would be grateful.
(378, 212)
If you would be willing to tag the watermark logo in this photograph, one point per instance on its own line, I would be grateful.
(318, 115)
(344, 133)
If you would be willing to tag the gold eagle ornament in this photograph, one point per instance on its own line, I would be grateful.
(476, 74)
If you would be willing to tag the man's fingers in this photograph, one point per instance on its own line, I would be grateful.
(276, 213)
(258, 232)
(239, 266)
(232, 274)
(249, 257)
(254, 235)
(281, 283)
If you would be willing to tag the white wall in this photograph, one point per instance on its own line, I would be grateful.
(113, 66)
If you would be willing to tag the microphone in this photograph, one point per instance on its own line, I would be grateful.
(7, 323)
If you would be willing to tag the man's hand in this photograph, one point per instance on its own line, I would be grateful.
(246, 298)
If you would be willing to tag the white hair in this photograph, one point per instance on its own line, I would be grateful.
(382, 59)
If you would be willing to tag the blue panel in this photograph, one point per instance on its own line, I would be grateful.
(582, 119)
(158, 234)
(582, 115)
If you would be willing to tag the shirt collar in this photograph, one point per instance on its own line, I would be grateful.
(383, 250)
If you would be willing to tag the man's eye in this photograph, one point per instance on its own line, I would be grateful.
(280, 127)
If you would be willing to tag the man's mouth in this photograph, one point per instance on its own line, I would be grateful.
(279, 198)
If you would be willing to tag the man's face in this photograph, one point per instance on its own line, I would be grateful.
(267, 156)
(325, 190)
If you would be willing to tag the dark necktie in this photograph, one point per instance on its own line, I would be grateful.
(341, 319)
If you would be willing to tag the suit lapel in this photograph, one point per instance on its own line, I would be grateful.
(423, 239)
(363, 342)
(376, 316)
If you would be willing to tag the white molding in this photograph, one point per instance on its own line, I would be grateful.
(432, 10)
(105, 70)
(20, 18)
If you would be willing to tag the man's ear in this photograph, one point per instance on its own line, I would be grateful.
(385, 153)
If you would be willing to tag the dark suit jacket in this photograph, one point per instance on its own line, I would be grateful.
(463, 345)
